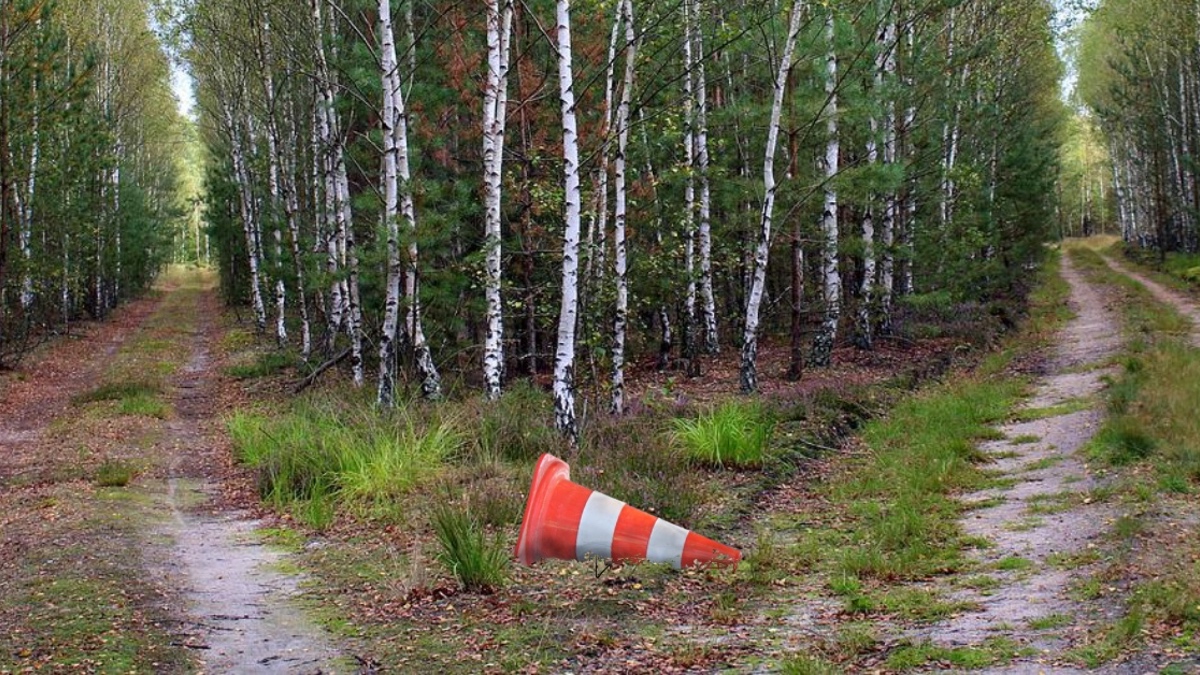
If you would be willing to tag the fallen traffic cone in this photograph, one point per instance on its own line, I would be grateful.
(570, 522)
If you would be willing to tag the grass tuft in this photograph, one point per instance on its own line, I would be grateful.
(734, 435)
(479, 562)
(314, 458)
(270, 363)
(114, 473)
(117, 392)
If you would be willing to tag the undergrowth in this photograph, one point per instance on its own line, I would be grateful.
(733, 434)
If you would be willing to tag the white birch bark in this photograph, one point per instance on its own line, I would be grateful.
(324, 123)
(495, 105)
(386, 396)
(619, 213)
(26, 211)
(246, 205)
(707, 296)
(564, 360)
(291, 211)
(907, 279)
(689, 191)
(827, 332)
(431, 380)
(887, 271)
(749, 367)
(273, 188)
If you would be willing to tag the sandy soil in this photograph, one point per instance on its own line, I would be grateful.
(204, 588)
(240, 605)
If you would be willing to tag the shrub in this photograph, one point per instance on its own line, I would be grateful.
(265, 365)
(734, 434)
(479, 562)
(114, 473)
(518, 426)
(631, 459)
(147, 405)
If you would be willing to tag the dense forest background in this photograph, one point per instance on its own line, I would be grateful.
(909, 148)
(90, 163)
(555, 190)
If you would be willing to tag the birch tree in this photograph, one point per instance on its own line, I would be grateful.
(827, 331)
(495, 111)
(620, 211)
(564, 361)
(749, 368)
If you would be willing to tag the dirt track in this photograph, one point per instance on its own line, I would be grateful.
(206, 593)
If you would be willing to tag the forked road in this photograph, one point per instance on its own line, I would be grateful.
(1045, 527)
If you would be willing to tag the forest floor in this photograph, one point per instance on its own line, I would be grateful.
(130, 539)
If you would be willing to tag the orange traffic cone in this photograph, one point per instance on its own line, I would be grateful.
(570, 522)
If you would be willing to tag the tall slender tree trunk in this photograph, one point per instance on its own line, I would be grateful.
(249, 226)
(495, 106)
(827, 332)
(564, 361)
(887, 271)
(689, 191)
(707, 296)
(386, 396)
(619, 213)
(749, 367)
(431, 380)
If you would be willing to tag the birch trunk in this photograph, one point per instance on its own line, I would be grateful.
(273, 188)
(827, 333)
(564, 359)
(386, 396)
(495, 104)
(689, 222)
(26, 212)
(246, 203)
(707, 296)
(619, 213)
(431, 381)
(887, 271)
(749, 367)
(335, 230)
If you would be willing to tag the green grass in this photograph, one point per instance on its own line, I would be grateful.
(733, 434)
(316, 458)
(808, 664)
(1065, 408)
(922, 454)
(145, 406)
(265, 365)
(1013, 563)
(118, 391)
(995, 651)
(1051, 622)
(1104, 646)
(479, 562)
(114, 473)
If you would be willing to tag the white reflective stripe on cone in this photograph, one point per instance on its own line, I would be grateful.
(666, 543)
(596, 527)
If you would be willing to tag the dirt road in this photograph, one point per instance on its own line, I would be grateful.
(1048, 520)
(114, 528)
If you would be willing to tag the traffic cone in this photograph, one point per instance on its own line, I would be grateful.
(570, 522)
